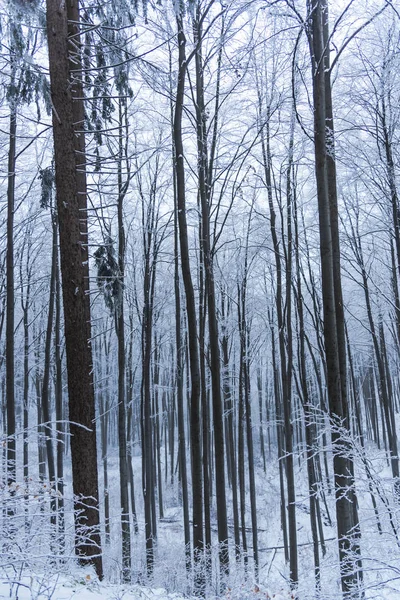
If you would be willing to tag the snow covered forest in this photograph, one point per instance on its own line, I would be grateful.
(200, 299)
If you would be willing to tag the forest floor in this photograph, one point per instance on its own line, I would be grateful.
(28, 570)
(83, 585)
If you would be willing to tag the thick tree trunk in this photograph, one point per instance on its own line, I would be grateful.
(346, 501)
(74, 270)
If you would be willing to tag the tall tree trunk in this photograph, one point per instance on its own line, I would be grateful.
(46, 410)
(195, 416)
(39, 419)
(25, 305)
(215, 362)
(229, 409)
(285, 344)
(130, 425)
(104, 403)
(74, 270)
(308, 410)
(280, 442)
(120, 329)
(346, 501)
(10, 381)
(205, 413)
(147, 412)
(179, 390)
(58, 391)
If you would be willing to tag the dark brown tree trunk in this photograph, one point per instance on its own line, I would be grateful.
(130, 424)
(179, 372)
(241, 450)
(280, 443)
(147, 432)
(120, 329)
(150, 250)
(261, 417)
(244, 390)
(215, 362)
(39, 418)
(230, 428)
(104, 403)
(205, 413)
(25, 305)
(179, 394)
(309, 424)
(195, 415)
(74, 270)
(335, 351)
(46, 410)
(285, 342)
(10, 319)
(58, 392)
(157, 427)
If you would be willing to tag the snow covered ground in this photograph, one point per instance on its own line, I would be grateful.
(29, 572)
(83, 585)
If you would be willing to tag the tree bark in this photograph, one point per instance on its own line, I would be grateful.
(215, 362)
(195, 416)
(335, 351)
(10, 319)
(74, 270)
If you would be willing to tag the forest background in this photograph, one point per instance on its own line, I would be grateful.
(199, 296)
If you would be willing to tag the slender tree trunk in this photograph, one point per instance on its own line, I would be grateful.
(10, 320)
(261, 416)
(179, 393)
(195, 416)
(48, 429)
(39, 418)
(215, 362)
(25, 305)
(120, 329)
(279, 435)
(241, 448)
(228, 401)
(308, 414)
(130, 425)
(148, 433)
(58, 391)
(285, 345)
(205, 413)
(157, 441)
